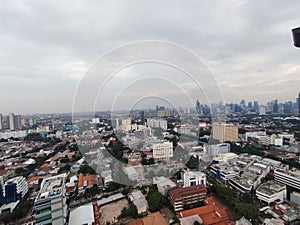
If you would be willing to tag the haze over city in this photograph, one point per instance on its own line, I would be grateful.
(47, 48)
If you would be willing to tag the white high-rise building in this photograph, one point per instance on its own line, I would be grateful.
(163, 150)
(192, 178)
(50, 204)
(11, 118)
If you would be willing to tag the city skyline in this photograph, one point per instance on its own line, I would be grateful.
(239, 102)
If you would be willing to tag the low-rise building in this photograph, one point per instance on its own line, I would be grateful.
(164, 185)
(131, 173)
(290, 178)
(295, 197)
(209, 214)
(271, 191)
(86, 214)
(180, 197)
(139, 201)
(273, 221)
(87, 181)
(163, 150)
(153, 218)
(191, 178)
(218, 149)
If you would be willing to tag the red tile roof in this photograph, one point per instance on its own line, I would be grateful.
(89, 178)
(32, 179)
(210, 214)
(152, 219)
(209, 201)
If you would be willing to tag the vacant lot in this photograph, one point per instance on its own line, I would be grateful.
(110, 212)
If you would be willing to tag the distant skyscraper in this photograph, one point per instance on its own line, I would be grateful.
(287, 107)
(198, 106)
(249, 105)
(18, 122)
(1, 126)
(243, 103)
(256, 106)
(275, 106)
(11, 118)
(142, 117)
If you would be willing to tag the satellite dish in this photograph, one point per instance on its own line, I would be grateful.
(296, 37)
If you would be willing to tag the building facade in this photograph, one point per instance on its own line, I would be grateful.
(192, 178)
(271, 191)
(15, 189)
(163, 150)
(225, 132)
(50, 204)
(181, 197)
(290, 178)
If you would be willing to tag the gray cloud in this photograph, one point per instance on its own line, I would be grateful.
(46, 47)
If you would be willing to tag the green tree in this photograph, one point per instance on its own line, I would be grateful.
(19, 171)
(85, 169)
(156, 200)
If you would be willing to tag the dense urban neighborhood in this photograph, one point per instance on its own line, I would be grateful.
(224, 164)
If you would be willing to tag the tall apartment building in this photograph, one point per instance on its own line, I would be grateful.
(11, 193)
(50, 204)
(163, 150)
(15, 189)
(157, 123)
(225, 132)
(181, 197)
(192, 178)
(11, 121)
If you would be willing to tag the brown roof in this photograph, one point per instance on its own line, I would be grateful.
(89, 178)
(31, 179)
(152, 219)
(210, 214)
(2, 172)
(209, 201)
(184, 191)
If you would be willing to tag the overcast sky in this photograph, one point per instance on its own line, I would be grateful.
(46, 47)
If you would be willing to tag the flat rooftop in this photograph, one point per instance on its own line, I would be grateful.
(52, 187)
(270, 188)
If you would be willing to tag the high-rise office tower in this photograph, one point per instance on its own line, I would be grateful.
(18, 122)
(198, 106)
(1, 126)
(243, 104)
(142, 117)
(275, 106)
(50, 204)
(249, 105)
(256, 106)
(11, 121)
